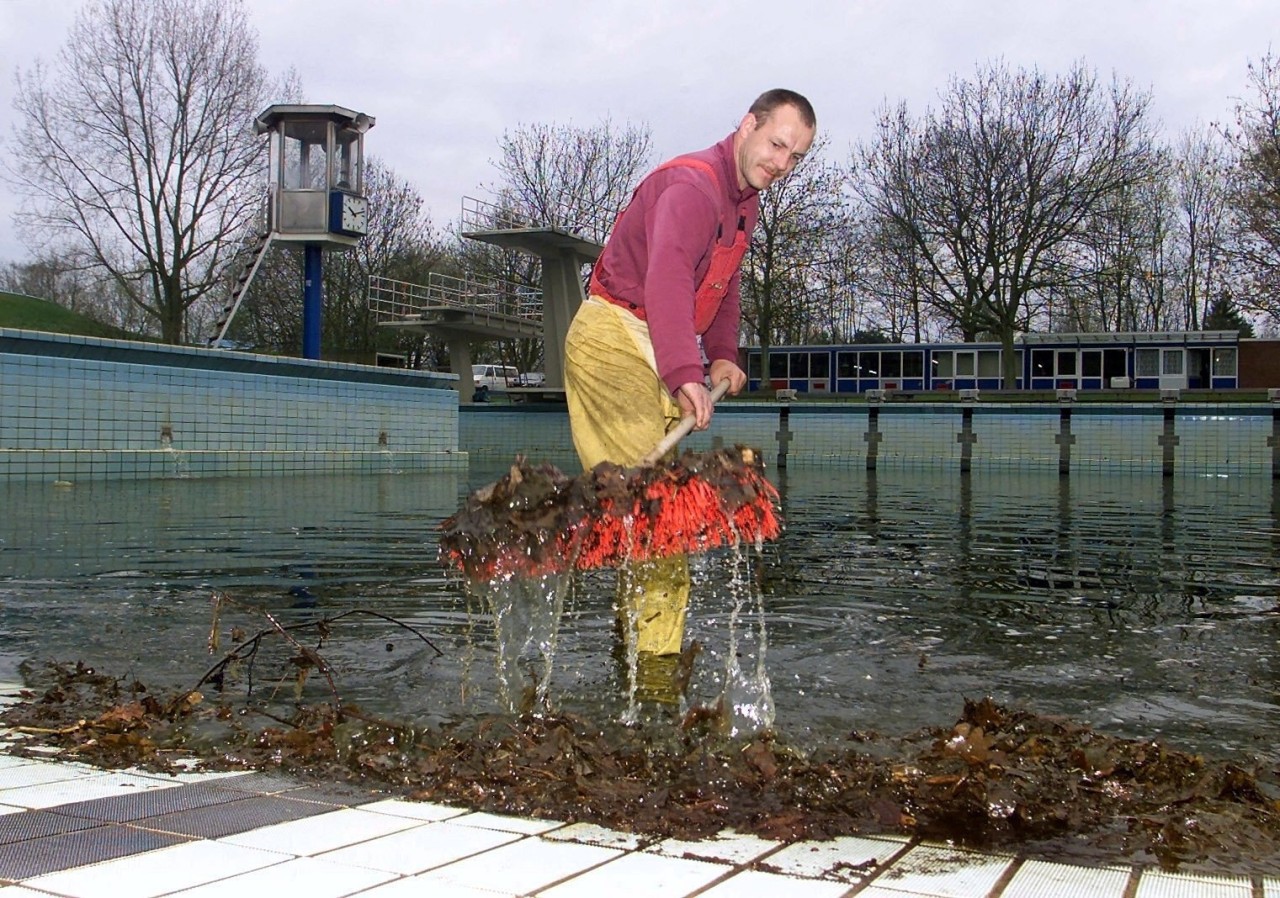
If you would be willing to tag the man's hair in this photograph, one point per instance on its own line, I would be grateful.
(780, 96)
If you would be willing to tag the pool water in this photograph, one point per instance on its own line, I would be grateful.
(1147, 607)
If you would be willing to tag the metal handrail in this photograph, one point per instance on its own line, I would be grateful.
(481, 215)
(393, 300)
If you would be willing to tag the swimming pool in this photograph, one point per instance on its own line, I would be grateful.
(1143, 605)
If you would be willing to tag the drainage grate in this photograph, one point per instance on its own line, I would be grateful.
(122, 808)
(336, 794)
(234, 817)
(38, 824)
(91, 846)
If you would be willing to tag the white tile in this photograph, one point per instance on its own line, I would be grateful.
(1271, 888)
(525, 825)
(1158, 884)
(525, 866)
(945, 872)
(754, 884)
(414, 810)
(156, 872)
(421, 848)
(726, 847)
(1038, 878)
(639, 874)
(426, 887)
(846, 858)
(591, 834)
(324, 832)
(185, 776)
(10, 761)
(307, 876)
(80, 788)
(35, 773)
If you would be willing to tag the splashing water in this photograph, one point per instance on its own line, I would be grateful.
(748, 698)
(526, 618)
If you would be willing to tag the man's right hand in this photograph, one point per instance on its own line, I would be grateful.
(695, 399)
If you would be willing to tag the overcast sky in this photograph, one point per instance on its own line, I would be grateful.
(444, 79)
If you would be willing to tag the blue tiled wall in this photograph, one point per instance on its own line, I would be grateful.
(1226, 438)
(75, 408)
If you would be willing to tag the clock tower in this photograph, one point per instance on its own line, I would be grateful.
(315, 191)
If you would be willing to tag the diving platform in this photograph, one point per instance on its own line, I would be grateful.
(464, 309)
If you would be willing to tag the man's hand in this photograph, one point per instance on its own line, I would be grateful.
(723, 369)
(695, 398)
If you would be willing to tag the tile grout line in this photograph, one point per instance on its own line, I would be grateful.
(1131, 885)
(1006, 877)
(893, 859)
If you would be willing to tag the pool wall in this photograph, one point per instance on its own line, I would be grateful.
(1169, 437)
(76, 408)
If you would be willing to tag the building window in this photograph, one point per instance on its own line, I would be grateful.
(1146, 363)
(988, 363)
(1042, 363)
(1224, 362)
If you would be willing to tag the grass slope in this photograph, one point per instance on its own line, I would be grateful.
(28, 313)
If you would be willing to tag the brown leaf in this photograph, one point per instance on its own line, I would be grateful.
(761, 757)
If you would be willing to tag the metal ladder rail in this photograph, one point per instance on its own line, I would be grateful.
(242, 287)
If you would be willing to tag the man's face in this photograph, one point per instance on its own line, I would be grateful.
(768, 150)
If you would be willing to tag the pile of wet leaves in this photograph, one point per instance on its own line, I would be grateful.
(995, 778)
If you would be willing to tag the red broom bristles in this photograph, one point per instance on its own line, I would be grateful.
(536, 522)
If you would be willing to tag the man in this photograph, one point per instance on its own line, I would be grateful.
(668, 276)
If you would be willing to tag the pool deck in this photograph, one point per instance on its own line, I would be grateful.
(69, 829)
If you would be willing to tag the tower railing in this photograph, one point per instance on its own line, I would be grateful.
(394, 300)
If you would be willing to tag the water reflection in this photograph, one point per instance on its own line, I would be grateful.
(1144, 605)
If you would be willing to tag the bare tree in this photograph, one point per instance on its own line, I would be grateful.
(1003, 175)
(570, 177)
(1117, 275)
(1200, 178)
(891, 274)
(1256, 186)
(135, 150)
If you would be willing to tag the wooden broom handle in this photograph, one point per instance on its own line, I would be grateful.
(681, 430)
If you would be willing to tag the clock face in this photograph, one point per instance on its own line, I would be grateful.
(354, 214)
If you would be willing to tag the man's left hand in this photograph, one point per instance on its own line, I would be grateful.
(723, 369)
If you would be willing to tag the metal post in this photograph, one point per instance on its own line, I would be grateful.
(312, 294)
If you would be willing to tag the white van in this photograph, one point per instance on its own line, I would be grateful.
(495, 377)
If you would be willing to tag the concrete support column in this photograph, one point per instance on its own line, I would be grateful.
(562, 293)
(459, 346)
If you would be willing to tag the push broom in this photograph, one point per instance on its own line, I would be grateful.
(536, 521)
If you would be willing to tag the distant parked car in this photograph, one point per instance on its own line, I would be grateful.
(532, 379)
(495, 377)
